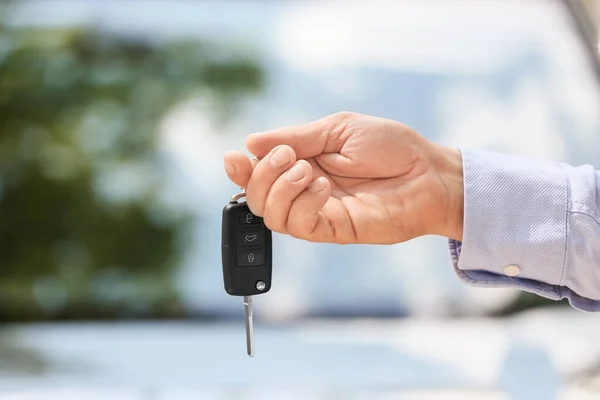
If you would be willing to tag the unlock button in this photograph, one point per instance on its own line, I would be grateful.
(250, 258)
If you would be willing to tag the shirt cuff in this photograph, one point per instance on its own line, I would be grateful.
(515, 226)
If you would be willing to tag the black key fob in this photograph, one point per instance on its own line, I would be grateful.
(246, 251)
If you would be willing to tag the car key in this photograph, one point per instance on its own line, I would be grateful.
(246, 253)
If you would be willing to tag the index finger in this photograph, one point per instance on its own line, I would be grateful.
(308, 140)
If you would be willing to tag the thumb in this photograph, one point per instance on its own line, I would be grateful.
(239, 167)
(307, 140)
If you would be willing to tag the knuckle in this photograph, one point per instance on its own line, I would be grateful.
(297, 232)
(344, 115)
(271, 222)
(251, 198)
(297, 226)
(342, 125)
(252, 205)
(274, 217)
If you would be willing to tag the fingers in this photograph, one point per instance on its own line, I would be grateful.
(266, 172)
(294, 205)
(306, 219)
(281, 190)
(283, 193)
(306, 140)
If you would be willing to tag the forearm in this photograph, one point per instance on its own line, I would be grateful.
(530, 225)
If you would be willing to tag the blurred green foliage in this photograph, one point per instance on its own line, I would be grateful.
(526, 301)
(83, 230)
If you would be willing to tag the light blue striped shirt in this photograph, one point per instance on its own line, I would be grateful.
(530, 225)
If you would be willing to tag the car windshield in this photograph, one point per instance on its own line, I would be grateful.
(114, 117)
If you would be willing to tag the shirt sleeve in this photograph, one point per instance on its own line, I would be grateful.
(530, 225)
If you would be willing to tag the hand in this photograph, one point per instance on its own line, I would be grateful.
(351, 178)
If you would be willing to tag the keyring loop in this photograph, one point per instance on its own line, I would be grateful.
(238, 196)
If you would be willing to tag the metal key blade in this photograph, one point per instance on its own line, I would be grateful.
(249, 325)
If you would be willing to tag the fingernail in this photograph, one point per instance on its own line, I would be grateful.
(317, 186)
(229, 167)
(296, 173)
(280, 158)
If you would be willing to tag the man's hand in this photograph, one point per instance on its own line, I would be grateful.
(351, 178)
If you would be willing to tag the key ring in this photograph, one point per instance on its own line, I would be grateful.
(237, 196)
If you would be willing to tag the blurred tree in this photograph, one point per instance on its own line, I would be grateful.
(526, 301)
(83, 232)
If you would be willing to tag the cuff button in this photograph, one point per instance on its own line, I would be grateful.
(512, 270)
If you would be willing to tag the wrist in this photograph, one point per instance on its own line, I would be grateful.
(450, 170)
